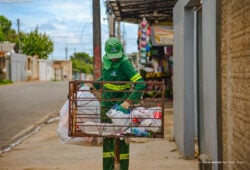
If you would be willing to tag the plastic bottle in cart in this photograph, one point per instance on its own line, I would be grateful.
(157, 114)
(157, 119)
(139, 131)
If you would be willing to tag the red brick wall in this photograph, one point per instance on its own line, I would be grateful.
(235, 76)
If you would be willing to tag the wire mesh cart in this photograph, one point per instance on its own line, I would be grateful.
(143, 119)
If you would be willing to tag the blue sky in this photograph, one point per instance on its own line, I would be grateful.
(67, 22)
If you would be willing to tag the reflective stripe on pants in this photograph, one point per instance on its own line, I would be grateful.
(108, 154)
(112, 155)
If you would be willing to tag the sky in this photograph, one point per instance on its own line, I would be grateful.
(68, 23)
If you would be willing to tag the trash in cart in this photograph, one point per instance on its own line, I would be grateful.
(143, 119)
(93, 108)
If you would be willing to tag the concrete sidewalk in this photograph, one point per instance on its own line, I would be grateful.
(44, 151)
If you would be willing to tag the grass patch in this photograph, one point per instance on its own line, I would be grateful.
(3, 82)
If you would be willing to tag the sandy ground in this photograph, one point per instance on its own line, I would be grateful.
(44, 151)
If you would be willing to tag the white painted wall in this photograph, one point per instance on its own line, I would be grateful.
(46, 71)
(209, 79)
(184, 79)
(17, 67)
(183, 83)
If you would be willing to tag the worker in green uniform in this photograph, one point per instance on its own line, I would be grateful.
(117, 67)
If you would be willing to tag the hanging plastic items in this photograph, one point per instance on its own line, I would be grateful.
(144, 23)
(143, 50)
(143, 61)
(143, 41)
(148, 47)
(143, 44)
(143, 37)
(149, 31)
(143, 56)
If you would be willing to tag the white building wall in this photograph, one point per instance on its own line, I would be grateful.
(46, 71)
(183, 84)
(209, 79)
(17, 67)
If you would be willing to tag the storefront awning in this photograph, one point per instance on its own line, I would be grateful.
(132, 11)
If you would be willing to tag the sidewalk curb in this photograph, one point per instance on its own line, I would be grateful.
(27, 132)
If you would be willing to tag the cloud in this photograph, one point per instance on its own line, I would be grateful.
(11, 1)
(47, 26)
(69, 10)
(67, 23)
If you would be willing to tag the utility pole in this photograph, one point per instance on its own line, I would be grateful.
(96, 38)
(119, 30)
(111, 23)
(124, 43)
(66, 53)
(18, 31)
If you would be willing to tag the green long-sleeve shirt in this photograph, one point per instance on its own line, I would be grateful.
(121, 70)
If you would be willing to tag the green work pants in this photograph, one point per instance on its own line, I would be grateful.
(109, 146)
(109, 154)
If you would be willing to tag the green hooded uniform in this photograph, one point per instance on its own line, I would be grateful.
(120, 70)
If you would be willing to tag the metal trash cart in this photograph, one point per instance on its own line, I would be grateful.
(145, 117)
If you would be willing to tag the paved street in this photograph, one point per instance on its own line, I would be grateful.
(22, 104)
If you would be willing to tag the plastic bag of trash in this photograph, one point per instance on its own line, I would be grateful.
(87, 105)
(98, 128)
(149, 118)
(91, 107)
(141, 113)
(152, 125)
(120, 117)
(62, 129)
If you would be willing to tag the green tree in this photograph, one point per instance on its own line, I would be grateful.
(35, 43)
(2, 36)
(82, 62)
(12, 36)
(6, 32)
